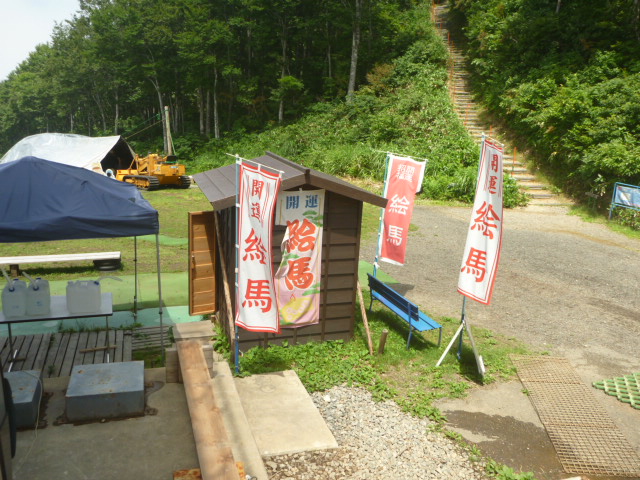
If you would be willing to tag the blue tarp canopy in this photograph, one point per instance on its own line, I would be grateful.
(42, 200)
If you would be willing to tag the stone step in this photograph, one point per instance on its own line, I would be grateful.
(541, 195)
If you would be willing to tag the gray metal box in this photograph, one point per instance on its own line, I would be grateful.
(26, 389)
(105, 390)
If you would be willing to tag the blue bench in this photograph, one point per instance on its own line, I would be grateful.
(403, 307)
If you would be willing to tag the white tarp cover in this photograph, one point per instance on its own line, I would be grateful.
(66, 148)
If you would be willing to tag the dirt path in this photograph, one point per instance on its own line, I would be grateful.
(564, 286)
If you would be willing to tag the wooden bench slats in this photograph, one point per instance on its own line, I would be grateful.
(422, 322)
(403, 308)
(70, 257)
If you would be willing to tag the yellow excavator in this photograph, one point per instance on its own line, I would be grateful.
(152, 172)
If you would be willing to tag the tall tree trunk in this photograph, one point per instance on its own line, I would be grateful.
(329, 66)
(558, 5)
(201, 110)
(207, 119)
(355, 46)
(216, 118)
(116, 120)
(165, 127)
(635, 18)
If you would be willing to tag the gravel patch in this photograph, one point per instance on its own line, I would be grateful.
(377, 441)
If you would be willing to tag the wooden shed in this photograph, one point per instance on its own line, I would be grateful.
(340, 250)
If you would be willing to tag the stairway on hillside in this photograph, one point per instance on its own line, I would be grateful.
(470, 113)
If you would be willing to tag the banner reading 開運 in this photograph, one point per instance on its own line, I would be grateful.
(256, 308)
(484, 237)
(298, 277)
(404, 180)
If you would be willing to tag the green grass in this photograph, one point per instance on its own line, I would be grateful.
(590, 215)
(408, 376)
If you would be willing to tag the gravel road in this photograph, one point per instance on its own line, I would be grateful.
(564, 285)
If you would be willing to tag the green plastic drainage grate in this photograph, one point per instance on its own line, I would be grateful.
(626, 388)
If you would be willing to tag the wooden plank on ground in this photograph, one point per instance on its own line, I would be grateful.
(102, 341)
(69, 355)
(32, 352)
(23, 351)
(82, 343)
(110, 353)
(45, 344)
(127, 354)
(50, 359)
(119, 341)
(7, 354)
(212, 444)
(92, 341)
(59, 358)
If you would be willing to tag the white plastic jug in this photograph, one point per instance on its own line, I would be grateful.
(84, 296)
(38, 297)
(14, 299)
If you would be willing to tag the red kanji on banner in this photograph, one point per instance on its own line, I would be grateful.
(254, 249)
(476, 264)
(256, 188)
(255, 210)
(258, 294)
(299, 274)
(485, 221)
(302, 235)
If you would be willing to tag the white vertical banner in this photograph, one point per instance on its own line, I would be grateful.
(256, 308)
(484, 237)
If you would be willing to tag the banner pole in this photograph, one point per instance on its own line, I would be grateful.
(381, 226)
(453, 340)
(236, 332)
(462, 322)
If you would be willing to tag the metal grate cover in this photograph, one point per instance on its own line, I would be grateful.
(626, 389)
(585, 438)
(556, 404)
(545, 369)
(593, 450)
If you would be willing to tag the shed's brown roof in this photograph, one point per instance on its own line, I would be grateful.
(218, 184)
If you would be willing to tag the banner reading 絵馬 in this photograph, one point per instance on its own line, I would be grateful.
(256, 308)
(404, 180)
(298, 278)
(484, 237)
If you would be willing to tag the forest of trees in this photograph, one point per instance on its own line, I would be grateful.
(331, 83)
(220, 65)
(564, 77)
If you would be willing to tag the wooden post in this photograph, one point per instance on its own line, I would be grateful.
(364, 318)
(383, 341)
(212, 439)
(225, 284)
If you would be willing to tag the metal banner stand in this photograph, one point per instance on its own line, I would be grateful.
(464, 326)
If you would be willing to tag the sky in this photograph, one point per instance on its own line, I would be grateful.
(27, 23)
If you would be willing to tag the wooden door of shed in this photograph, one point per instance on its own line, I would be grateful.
(202, 263)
